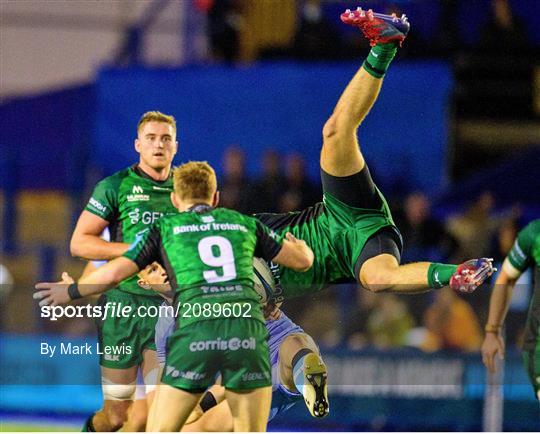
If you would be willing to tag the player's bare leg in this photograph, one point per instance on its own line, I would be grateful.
(341, 154)
(341, 157)
(118, 390)
(250, 409)
(301, 368)
(216, 419)
(138, 412)
(137, 416)
(171, 409)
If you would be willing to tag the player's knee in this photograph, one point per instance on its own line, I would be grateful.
(117, 393)
(117, 414)
(330, 128)
(379, 273)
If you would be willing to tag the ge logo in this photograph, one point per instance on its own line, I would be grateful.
(134, 216)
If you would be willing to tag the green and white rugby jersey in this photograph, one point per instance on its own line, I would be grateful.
(131, 201)
(526, 253)
(208, 255)
(336, 232)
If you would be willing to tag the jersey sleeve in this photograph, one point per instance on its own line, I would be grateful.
(104, 200)
(520, 255)
(266, 247)
(146, 248)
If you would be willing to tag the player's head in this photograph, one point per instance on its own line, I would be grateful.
(154, 277)
(156, 140)
(194, 182)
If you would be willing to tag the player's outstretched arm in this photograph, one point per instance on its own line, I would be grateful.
(294, 254)
(86, 241)
(501, 295)
(105, 277)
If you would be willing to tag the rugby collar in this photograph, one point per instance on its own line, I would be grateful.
(200, 208)
(138, 171)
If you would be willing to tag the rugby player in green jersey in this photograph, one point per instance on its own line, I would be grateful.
(127, 203)
(525, 253)
(208, 255)
(351, 231)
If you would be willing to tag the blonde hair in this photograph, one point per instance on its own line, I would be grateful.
(195, 180)
(156, 116)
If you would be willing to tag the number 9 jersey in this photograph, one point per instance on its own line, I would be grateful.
(208, 255)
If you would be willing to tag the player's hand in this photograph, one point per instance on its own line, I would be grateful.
(471, 274)
(271, 311)
(53, 294)
(492, 346)
(291, 238)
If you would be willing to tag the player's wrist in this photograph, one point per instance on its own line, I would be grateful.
(73, 291)
(493, 328)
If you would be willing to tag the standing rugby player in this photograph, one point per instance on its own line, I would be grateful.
(127, 203)
(524, 254)
(208, 255)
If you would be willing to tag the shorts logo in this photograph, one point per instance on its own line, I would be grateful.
(97, 205)
(254, 376)
(112, 357)
(137, 195)
(233, 344)
(188, 375)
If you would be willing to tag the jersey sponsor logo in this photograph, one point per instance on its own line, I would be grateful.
(134, 216)
(147, 217)
(205, 227)
(97, 205)
(232, 344)
(207, 219)
(137, 195)
(188, 375)
(214, 289)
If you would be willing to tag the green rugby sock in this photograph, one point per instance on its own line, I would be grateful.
(379, 59)
(439, 274)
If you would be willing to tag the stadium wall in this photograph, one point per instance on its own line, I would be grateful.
(283, 106)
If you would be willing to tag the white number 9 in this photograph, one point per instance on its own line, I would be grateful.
(224, 259)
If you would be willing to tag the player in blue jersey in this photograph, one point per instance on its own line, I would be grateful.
(293, 356)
